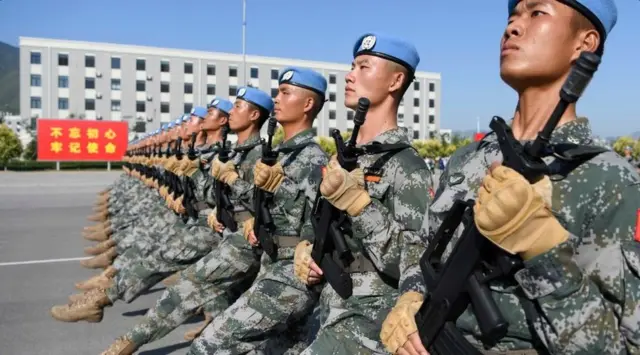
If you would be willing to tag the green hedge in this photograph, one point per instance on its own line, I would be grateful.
(29, 165)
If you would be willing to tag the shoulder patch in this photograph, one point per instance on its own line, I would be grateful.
(637, 234)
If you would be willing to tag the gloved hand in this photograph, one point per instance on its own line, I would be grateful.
(169, 201)
(514, 215)
(268, 177)
(345, 190)
(171, 164)
(212, 221)
(302, 261)
(401, 322)
(177, 205)
(224, 172)
(191, 167)
(247, 231)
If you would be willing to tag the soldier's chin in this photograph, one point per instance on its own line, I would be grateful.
(351, 101)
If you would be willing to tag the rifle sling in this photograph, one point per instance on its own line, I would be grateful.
(511, 352)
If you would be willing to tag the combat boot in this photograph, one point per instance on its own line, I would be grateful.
(171, 280)
(194, 333)
(100, 236)
(122, 346)
(100, 247)
(87, 308)
(101, 208)
(101, 261)
(103, 280)
(99, 217)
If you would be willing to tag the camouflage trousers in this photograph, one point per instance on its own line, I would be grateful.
(352, 326)
(276, 302)
(140, 275)
(215, 281)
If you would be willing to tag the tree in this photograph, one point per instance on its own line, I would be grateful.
(31, 151)
(10, 146)
(327, 144)
(278, 136)
(622, 143)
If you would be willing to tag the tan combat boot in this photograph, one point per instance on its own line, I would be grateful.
(171, 280)
(99, 217)
(100, 247)
(101, 261)
(103, 280)
(194, 333)
(101, 208)
(100, 236)
(122, 346)
(88, 308)
(92, 229)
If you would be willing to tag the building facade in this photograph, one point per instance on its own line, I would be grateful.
(149, 86)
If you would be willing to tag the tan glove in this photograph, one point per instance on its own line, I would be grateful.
(401, 321)
(177, 205)
(344, 190)
(301, 261)
(163, 191)
(268, 177)
(247, 227)
(513, 214)
(192, 167)
(215, 168)
(169, 201)
(171, 164)
(228, 173)
(212, 220)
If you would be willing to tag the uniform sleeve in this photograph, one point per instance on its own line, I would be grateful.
(388, 233)
(589, 303)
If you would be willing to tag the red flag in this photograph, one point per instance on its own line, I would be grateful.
(80, 140)
(478, 136)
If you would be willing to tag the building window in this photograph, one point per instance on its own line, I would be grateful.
(332, 114)
(89, 61)
(332, 97)
(188, 89)
(432, 103)
(89, 104)
(432, 135)
(416, 86)
(211, 89)
(36, 80)
(188, 107)
(115, 105)
(140, 106)
(89, 83)
(188, 68)
(36, 58)
(275, 74)
(416, 102)
(432, 87)
(233, 90)
(141, 85)
(400, 117)
(254, 73)
(164, 87)
(164, 66)
(63, 60)
(63, 81)
(141, 65)
(115, 84)
(416, 118)
(233, 73)
(36, 102)
(274, 93)
(211, 69)
(432, 119)
(115, 63)
(416, 135)
(164, 107)
(63, 103)
(332, 78)
(349, 115)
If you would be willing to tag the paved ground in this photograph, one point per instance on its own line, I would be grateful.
(41, 218)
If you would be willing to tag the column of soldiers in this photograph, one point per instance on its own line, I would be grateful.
(257, 237)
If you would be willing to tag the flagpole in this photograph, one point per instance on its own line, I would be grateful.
(244, 41)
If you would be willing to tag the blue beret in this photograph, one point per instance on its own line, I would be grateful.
(222, 105)
(256, 97)
(304, 78)
(603, 14)
(186, 117)
(170, 124)
(383, 46)
(178, 121)
(199, 111)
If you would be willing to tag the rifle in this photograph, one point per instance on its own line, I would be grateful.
(188, 186)
(474, 262)
(264, 227)
(191, 154)
(330, 250)
(224, 208)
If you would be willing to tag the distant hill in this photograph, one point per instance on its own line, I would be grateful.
(9, 78)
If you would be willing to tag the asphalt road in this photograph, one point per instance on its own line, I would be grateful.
(41, 218)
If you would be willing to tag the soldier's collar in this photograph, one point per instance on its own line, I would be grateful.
(300, 137)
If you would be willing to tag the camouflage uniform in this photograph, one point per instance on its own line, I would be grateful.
(277, 299)
(388, 230)
(216, 279)
(587, 289)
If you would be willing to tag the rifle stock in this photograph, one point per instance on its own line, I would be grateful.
(224, 208)
(264, 228)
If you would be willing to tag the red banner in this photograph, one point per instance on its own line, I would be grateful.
(80, 140)
(478, 136)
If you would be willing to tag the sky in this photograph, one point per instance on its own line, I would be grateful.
(459, 39)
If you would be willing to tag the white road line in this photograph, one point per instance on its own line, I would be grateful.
(46, 261)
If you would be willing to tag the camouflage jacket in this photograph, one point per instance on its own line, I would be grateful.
(587, 289)
(245, 161)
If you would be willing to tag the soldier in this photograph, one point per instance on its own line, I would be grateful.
(219, 277)
(386, 212)
(579, 290)
(277, 299)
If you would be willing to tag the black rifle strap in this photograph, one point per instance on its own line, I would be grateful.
(391, 150)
